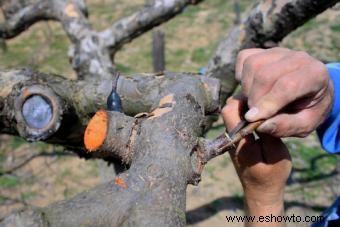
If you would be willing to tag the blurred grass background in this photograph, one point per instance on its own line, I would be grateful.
(52, 174)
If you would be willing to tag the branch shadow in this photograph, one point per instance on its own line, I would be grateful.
(210, 209)
(313, 166)
(234, 203)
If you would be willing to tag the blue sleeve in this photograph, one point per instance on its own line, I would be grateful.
(328, 131)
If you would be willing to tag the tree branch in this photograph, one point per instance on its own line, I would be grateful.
(20, 15)
(91, 53)
(154, 13)
(64, 106)
(157, 177)
(11, 169)
(267, 24)
(72, 15)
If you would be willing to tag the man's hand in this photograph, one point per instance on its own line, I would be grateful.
(289, 88)
(262, 165)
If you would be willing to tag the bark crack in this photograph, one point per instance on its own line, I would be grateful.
(130, 146)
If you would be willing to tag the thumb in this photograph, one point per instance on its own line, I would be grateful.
(298, 124)
(285, 91)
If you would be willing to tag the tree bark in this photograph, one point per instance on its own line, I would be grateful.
(74, 102)
(156, 180)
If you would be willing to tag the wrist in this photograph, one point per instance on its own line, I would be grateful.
(262, 210)
(263, 207)
(264, 196)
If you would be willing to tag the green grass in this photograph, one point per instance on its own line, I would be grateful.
(2, 158)
(335, 28)
(216, 130)
(191, 12)
(28, 195)
(123, 68)
(225, 161)
(9, 181)
(313, 161)
(17, 142)
(210, 169)
(201, 55)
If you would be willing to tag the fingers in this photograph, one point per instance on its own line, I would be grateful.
(268, 74)
(232, 111)
(300, 124)
(273, 79)
(241, 57)
(287, 89)
(251, 61)
(247, 152)
(273, 149)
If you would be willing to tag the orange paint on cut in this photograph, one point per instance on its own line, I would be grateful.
(96, 131)
(25, 93)
(71, 11)
(120, 182)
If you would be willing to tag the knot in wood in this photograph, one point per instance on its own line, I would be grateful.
(154, 171)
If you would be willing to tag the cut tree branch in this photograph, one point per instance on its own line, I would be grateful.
(267, 24)
(64, 106)
(156, 180)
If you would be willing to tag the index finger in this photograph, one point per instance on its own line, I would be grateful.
(232, 112)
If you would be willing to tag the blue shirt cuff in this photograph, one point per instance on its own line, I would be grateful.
(328, 131)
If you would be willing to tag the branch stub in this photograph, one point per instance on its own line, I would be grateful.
(38, 112)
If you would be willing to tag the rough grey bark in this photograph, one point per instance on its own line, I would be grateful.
(152, 191)
(74, 102)
(267, 24)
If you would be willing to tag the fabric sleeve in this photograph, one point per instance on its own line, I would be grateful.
(328, 131)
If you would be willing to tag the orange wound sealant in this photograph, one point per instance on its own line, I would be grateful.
(120, 182)
(96, 131)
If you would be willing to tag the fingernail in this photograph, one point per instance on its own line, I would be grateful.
(267, 127)
(251, 114)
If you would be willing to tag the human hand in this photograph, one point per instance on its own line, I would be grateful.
(263, 166)
(290, 89)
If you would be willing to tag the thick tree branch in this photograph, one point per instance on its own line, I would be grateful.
(72, 15)
(20, 15)
(156, 180)
(267, 24)
(154, 13)
(64, 106)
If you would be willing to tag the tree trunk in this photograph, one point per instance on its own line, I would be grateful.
(158, 51)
